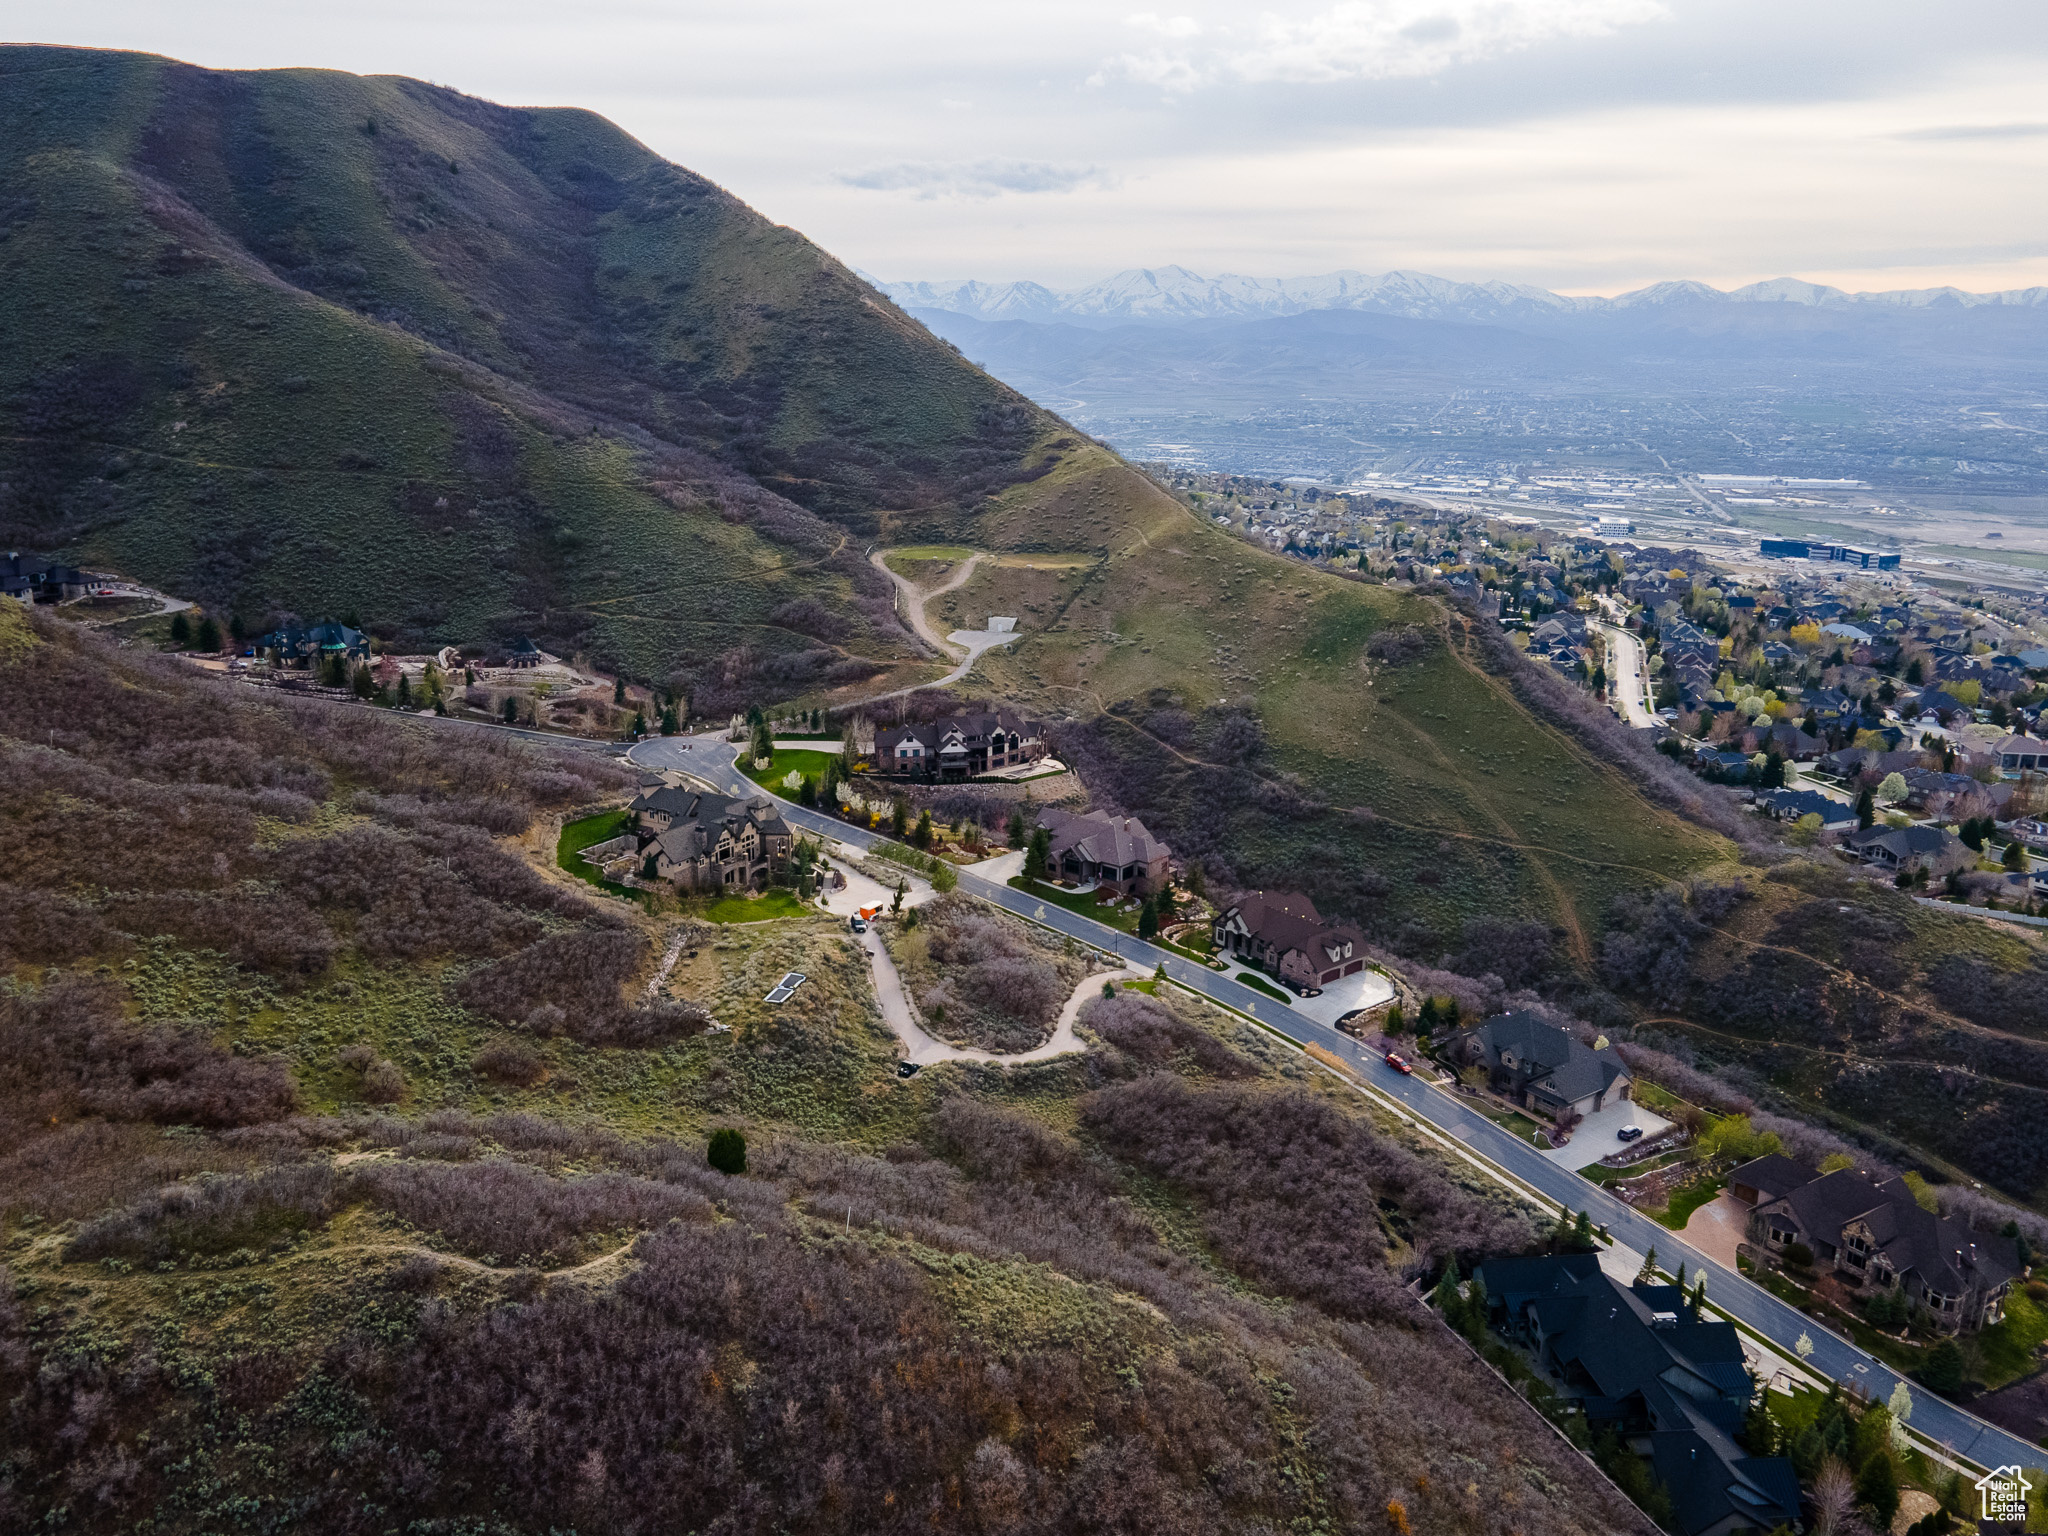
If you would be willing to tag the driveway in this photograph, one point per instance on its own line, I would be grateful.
(1716, 1227)
(1595, 1137)
(1368, 989)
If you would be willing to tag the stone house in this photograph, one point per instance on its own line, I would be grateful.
(959, 746)
(1877, 1237)
(707, 843)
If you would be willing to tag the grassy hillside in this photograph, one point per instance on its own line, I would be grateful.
(350, 1175)
(304, 341)
(1292, 727)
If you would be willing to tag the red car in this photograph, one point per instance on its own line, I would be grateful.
(1399, 1065)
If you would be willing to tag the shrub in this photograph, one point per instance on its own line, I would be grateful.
(510, 1061)
(727, 1151)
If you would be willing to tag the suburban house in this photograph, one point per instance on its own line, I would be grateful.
(1103, 850)
(1281, 932)
(2022, 754)
(959, 747)
(32, 579)
(1674, 1387)
(1544, 1068)
(1876, 1237)
(1792, 804)
(314, 647)
(705, 843)
(1911, 849)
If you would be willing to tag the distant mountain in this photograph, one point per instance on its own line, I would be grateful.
(1176, 294)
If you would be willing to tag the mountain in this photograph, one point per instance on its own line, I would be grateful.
(1174, 293)
(304, 342)
(301, 341)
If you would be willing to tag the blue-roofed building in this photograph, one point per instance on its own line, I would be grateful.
(1635, 1359)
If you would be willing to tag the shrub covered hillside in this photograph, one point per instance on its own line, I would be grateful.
(350, 1179)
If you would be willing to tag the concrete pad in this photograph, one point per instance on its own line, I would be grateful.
(1347, 994)
(1595, 1137)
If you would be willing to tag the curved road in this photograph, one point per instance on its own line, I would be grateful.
(1965, 1435)
(914, 597)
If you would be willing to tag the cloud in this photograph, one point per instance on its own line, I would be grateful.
(1976, 131)
(981, 179)
(1369, 40)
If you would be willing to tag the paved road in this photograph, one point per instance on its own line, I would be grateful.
(1625, 675)
(1965, 1434)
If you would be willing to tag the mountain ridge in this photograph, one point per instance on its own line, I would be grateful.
(1175, 293)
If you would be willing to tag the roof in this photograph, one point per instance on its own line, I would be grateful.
(1791, 804)
(1773, 1175)
(697, 820)
(1946, 1255)
(1563, 1066)
(1288, 920)
(1635, 1343)
(1905, 842)
(1103, 839)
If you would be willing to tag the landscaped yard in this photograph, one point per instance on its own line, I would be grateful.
(809, 764)
(740, 909)
(1259, 983)
(1687, 1199)
(1516, 1124)
(1083, 902)
(588, 833)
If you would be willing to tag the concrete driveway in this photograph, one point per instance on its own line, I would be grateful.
(1368, 989)
(1595, 1137)
(1717, 1227)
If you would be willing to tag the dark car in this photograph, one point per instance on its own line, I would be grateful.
(908, 1068)
(1628, 1133)
(859, 926)
(1400, 1064)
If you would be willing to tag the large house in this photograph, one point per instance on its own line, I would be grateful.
(1281, 932)
(32, 579)
(1911, 849)
(1876, 1237)
(314, 647)
(1674, 1387)
(1543, 1067)
(959, 746)
(705, 842)
(1103, 850)
(2022, 754)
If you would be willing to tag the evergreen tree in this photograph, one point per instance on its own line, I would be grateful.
(1014, 833)
(1449, 1300)
(1148, 919)
(1866, 810)
(1038, 855)
(670, 725)
(727, 1151)
(2015, 856)
(209, 634)
(365, 681)
(1759, 1429)
(1945, 1368)
(1877, 1488)
(1198, 884)
(404, 691)
(1582, 1233)
(1679, 1281)
(1425, 1017)
(923, 835)
(1647, 1275)
(1698, 1305)
(181, 630)
(899, 816)
(236, 631)
(510, 710)
(619, 690)
(1395, 1024)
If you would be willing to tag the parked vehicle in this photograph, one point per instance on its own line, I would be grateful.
(1628, 1133)
(1400, 1064)
(858, 925)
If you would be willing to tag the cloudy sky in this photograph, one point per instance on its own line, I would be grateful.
(1587, 145)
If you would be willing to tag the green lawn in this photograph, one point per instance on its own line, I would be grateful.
(775, 903)
(810, 764)
(2006, 1353)
(1082, 902)
(1687, 1199)
(1259, 983)
(588, 833)
(1515, 1123)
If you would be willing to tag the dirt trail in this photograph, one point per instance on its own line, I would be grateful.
(915, 597)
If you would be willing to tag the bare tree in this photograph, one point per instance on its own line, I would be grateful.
(1834, 1497)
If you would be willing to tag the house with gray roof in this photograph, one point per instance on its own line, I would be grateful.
(1542, 1067)
(1877, 1237)
(1902, 849)
(1674, 1386)
(708, 843)
(1103, 850)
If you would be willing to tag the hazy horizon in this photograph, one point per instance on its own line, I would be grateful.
(1584, 146)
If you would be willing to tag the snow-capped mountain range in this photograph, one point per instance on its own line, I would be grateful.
(1175, 293)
